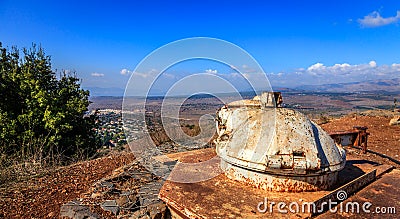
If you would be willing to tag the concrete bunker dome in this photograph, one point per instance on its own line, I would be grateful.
(275, 148)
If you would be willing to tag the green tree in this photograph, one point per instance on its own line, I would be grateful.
(42, 116)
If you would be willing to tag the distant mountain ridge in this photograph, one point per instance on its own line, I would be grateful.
(387, 85)
(111, 91)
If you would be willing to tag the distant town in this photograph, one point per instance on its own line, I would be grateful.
(110, 127)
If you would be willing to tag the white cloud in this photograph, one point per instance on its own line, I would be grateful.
(338, 69)
(151, 72)
(211, 71)
(315, 74)
(340, 66)
(372, 64)
(248, 69)
(95, 74)
(234, 75)
(396, 66)
(143, 75)
(169, 75)
(317, 66)
(336, 73)
(125, 71)
(376, 20)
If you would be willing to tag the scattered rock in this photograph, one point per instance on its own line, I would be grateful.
(395, 121)
(148, 194)
(51, 214)
(148, 197)
(127, 200)
(110, 205)
(122, 201)
(96, 194)
(118, 171)
(157, 210)
(139, 214)
(75, 210)
(132, 192)
(106, 184)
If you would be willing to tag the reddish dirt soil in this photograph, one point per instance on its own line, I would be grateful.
(43, 197)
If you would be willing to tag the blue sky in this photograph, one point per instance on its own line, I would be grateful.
(296, 42)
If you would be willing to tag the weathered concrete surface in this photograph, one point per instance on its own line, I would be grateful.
(221, 197)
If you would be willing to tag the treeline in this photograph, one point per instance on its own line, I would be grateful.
(41, 112)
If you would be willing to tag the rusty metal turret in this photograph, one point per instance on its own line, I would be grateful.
(275, 148)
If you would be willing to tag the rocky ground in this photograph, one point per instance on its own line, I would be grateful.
(383, 138)
(117, 186)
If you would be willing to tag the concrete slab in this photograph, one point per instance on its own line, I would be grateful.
(221, 197)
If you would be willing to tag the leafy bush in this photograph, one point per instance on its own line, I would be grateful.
(42, 116)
